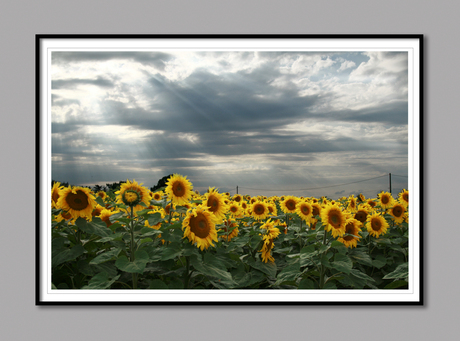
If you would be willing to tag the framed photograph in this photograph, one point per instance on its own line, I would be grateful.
(229, 169)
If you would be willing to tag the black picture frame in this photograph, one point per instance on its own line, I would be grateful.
(412, 43)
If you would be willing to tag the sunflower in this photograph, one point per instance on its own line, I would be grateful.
(266, 250)
(270, 229)
(157, 196)
(77, 201)
(386, 200)
(199, 227)
(352, 203)
(179, 189)
(55, 194)
(158, 225)
(376, 225)
(352, 229)
(133, 194)
(259, 210)
(316, 209)
(272, 209)
(97, 210)
(230, 229)
(105, 216)
(289, 204)
(333, 220)
(398, 211)
(235, 210)
(215, 202)
(270, 232)
(404, 197)
(304, 210)
(362, 212)
(371, 202)
(102, 194)
(64, 216)
(361, 197)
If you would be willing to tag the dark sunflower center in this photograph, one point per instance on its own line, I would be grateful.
(315, 211)
(334, 219)
(349, 229)
(290, 204)
(361, 216)
(213, 204)
(385, 199)
(233, 209)
(66, 215)
(397, 211)
(376, 224)
(259, 209)
(406, 197)
(178, 189)
(238, 199)
(77, 201)
(305, 210)
(200, 225)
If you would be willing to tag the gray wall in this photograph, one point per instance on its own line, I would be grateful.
(21, 20)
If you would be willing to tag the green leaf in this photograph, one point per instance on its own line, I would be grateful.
(100, 201)
(106, 256)
(361, 275)
(401, 272)
(330, 286)
(267, 268)
(289, 273)
(115, 236)
(96, 227)
(339, 246)
(157, 284)
(114, 217)
(361, 258)
(148, 231)
(396, 284)
(342, 263)
(154, 218)
(213, 271)
(175, 284)
(307, 255)
(141, 259)
(67, 255)
(306, 283)
(379, 262)
(145, 240)
(100, 281)
(171, 251)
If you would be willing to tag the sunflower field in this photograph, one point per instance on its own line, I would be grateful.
(176, 238)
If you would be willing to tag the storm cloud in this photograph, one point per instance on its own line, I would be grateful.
(267, 122)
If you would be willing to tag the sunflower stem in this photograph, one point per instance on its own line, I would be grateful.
(187, 272)
(323, 268)
(132, 257)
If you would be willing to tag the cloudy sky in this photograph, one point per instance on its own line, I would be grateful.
(271, 123)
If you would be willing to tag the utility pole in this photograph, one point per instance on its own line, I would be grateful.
(389, 174)
(236, 189)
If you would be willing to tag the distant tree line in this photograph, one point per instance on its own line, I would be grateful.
(115, 186)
